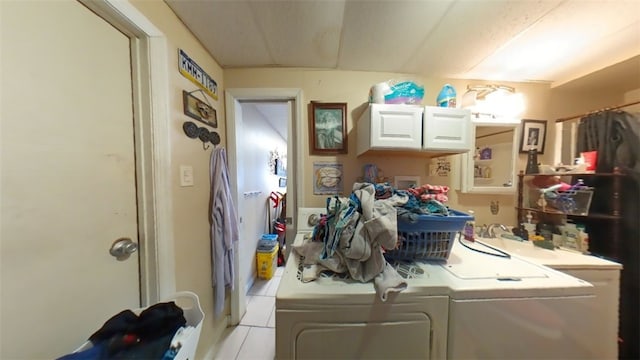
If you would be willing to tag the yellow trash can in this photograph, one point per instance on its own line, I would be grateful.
(267, 259)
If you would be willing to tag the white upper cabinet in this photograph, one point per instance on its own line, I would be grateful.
(388, 126)
(414, 129)
(446, 129)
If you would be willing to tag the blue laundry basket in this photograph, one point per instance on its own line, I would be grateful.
(429, 238)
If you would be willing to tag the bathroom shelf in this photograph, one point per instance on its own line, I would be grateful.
(615, 208)
(556, 212)
(584, 174)
(613, 216)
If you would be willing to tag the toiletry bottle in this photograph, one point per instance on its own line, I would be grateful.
(532, 162)
(469, 228)
(582, 239)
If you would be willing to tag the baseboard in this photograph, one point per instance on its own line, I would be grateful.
(250, 283)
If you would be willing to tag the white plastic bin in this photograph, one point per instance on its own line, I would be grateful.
(190, 305)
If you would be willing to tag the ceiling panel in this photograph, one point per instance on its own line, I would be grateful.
(510, 40)
(383, 35)
(471, 31)
(614, 48)
(563, 37)
(227, 30)
(299, 33)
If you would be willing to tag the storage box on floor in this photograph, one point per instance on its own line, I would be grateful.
(267, 256)
(186, 339)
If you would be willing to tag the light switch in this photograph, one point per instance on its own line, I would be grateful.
(186, 175)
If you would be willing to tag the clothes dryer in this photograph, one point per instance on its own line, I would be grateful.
(336, 317)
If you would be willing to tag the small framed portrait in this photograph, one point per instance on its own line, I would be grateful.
(199, 110)
(534, 134)
(406, 182)
(328, 128)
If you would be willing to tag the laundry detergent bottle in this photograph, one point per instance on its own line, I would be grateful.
(447, 96)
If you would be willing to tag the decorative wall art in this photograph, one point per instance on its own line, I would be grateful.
(534, 135)
(278, 162)
(328, 128)
(441, 167)
(192, 71)
(281, 166)
(198, 109)
(327, 178)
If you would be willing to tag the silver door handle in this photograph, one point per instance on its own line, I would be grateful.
(123, 248)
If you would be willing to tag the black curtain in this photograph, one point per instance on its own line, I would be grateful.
(615, 135)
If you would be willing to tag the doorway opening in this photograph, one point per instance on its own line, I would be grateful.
(244, 147)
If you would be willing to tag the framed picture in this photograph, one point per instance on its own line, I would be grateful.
(281, 169)
(406, 182)
(199, 110)
(534, 135)
(328, 128)
(327, 178)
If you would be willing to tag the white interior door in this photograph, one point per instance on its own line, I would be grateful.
(68, 177)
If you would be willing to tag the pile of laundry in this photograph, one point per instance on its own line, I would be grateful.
(157, 333)
(423, 200)
(356, 231)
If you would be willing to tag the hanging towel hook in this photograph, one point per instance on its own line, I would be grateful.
(193, 131)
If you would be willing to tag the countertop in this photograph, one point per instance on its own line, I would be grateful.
(556, 259)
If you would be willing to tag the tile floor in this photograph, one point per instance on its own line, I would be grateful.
(255, 337)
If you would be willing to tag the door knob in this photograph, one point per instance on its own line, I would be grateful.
(122, 248)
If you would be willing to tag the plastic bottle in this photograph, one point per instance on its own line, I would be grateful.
(469, 230)
(447, 96)
(582, 239)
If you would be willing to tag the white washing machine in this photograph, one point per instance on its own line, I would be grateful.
(511, 308)
(474, 305)
(603, 274)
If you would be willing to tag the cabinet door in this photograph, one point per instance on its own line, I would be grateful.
(396, 126)
(446, 129)
(490, 167)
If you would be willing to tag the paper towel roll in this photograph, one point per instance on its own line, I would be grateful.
(378, 91)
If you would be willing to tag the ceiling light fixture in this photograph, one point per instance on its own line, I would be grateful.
(496, 101)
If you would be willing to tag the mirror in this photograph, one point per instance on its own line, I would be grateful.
(490, 168)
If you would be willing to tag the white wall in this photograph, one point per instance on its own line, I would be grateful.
(191, 227)
(259, 140)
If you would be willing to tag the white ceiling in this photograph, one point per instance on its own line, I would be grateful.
(553, 41)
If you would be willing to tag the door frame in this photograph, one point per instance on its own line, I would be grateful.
(233, 97)
(149, 69)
